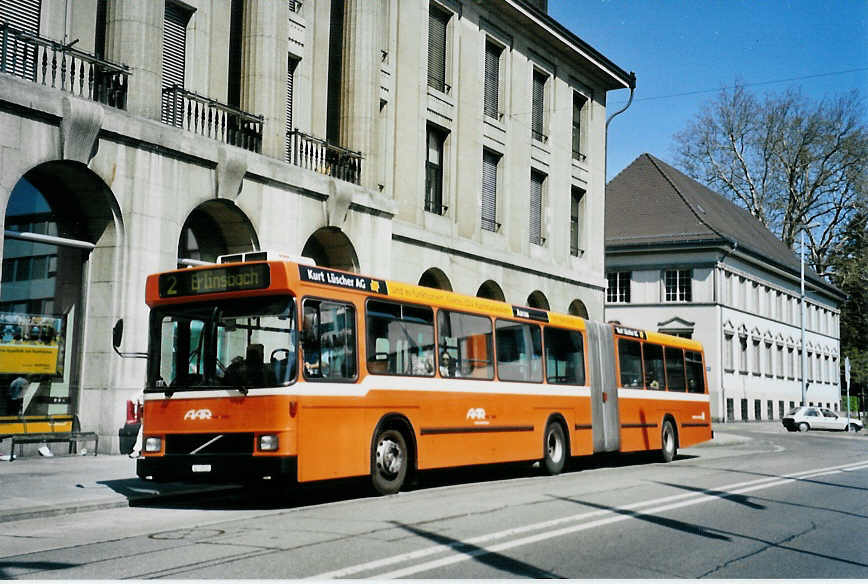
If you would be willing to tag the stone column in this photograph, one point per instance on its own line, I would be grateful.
(359, 83)
(263, 72)
(134, 37)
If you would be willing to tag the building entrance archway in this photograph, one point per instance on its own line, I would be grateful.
(435, 278)
(61, 223)
(331, 248)
(214, 228)
(578, 308)
(491, 290)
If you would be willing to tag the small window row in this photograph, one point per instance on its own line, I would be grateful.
(400, 340)
(652, 366)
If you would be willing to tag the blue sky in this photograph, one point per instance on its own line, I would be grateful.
(697, 47)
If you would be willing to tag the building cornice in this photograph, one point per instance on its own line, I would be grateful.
(622, 79)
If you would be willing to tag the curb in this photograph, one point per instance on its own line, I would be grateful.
(73, 507)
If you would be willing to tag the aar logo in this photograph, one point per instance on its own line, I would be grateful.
(203, 414)
(478, 416)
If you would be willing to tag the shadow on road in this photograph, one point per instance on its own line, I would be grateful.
(286, 494)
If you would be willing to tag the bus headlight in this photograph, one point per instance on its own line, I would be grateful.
(153, 444)
(268, 442)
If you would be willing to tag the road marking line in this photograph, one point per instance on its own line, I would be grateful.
(461, 557)
(693, 498)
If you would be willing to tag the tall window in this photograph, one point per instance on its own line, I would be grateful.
(727, 352)
(577, 207)
(537, 119)
(537, 179)
(438, 21)
(19, 58)
(579, 102)
(99, 31)
(175, 21)
(489, 190)
(619, 286)
(678, 285)
(434, 171)
(491, 89)
(236, 25)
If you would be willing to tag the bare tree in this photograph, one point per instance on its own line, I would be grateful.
(790, 162)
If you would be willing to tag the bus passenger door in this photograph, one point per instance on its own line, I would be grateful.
(604, 388)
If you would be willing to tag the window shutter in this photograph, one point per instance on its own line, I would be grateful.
(489, 191)
(578, 105)
(538, 105)
(437, 22)
(492, 80)
(575, 202)
(22, 15)
(292, 63)
(174, 51)
(536, 188)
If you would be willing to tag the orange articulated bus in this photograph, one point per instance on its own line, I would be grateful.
(272, 367)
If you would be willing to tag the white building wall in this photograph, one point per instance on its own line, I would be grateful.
(735, 298)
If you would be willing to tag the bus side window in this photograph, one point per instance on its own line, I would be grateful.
(400, 339)
(655, 377)
(695, 372)
(565, 359)
(630, 361)
(519, 351)
(465, 345)
(675, 369)
(329, 340)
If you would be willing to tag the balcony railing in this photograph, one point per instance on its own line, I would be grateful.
(210, 118)
(53, 64)
(320, 156)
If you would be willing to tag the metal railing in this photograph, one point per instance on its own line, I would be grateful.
(320, 156)
(210, 118)
(53, 64)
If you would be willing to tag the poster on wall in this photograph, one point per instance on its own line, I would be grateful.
(32, 343)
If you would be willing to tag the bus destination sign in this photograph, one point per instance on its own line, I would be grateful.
(630, 332)
(226, 279)
(342, 280)
(530, 313)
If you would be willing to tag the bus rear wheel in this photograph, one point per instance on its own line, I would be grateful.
(389, 461)
(554, 448)
(668, 444)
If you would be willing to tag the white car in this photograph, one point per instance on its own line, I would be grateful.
(804, 418)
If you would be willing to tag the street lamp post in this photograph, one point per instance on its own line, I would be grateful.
(804, 347)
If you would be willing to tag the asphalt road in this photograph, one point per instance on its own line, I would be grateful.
(778, 505)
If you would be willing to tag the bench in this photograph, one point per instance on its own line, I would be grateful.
(43, 429)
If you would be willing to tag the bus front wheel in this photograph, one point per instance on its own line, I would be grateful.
(554, 448)
(389, 462)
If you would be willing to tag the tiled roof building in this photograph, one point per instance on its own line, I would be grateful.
(683, 259)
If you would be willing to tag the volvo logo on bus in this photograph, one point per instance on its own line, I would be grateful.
(194, 414)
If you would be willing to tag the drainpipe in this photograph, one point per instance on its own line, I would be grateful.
(609, 121)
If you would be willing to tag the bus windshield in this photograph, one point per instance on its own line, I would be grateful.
(242, 344)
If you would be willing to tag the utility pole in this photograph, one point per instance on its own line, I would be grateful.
(804, 346)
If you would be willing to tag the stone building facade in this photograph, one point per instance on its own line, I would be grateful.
(452, 143)
(683, 260)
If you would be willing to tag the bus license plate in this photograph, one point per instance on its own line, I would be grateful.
(201, 468)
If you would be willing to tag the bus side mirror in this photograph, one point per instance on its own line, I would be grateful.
(118, 333)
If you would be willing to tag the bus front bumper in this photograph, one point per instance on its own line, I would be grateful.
(223, 468)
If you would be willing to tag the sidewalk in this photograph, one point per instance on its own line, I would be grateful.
(36, 486)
